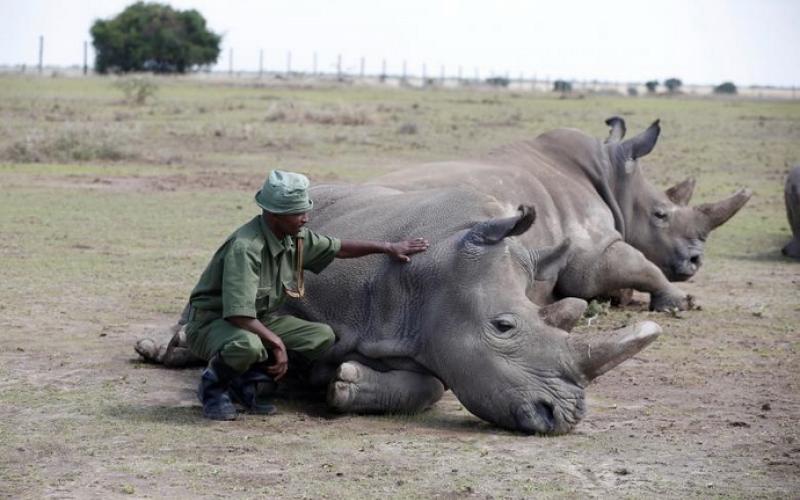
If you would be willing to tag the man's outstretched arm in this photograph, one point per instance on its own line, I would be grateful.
(399, 250)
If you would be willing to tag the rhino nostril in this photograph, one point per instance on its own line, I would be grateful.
(695, 259)
(538, 418)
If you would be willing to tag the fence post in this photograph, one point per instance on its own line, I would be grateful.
(85, 58)
(41, 53)
(314, 65)
(405, 72)
(288, 62)
(230, 62)
(362, 68)
(339, 67)
(383, 68)
(260, 64)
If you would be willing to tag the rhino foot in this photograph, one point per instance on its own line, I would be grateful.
(343, 389)
(148, 350)
(360, 389)
(670, 301)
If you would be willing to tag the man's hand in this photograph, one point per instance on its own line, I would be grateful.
(270, 341)
(401, 250)
(278, 369)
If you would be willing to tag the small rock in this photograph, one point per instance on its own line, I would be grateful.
(738, 423)
(622, 471)
(766, 407)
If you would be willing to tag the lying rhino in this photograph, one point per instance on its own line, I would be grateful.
(625, 233)
(456, 317)
(792, 196)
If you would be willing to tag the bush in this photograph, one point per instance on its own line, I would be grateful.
(498, 81)
(66, 148)
(673, 85)
(153, 37)
(562, 86)
(137, 90)
(652, 85)
(725, 88)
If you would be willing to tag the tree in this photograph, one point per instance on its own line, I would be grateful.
(651, 86)
(154, 37)
(725, 88)
(673, 85)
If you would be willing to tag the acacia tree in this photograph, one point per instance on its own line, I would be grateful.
(154, 37)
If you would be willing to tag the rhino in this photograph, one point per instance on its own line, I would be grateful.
(456, 317)
(625, 233)
(792, 196)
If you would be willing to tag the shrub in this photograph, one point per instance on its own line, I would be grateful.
(725, 88)
(498, 81)
(562, 86)
(137, 89)
(651, 85)
(673, 85)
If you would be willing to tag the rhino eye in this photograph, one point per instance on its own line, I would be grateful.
(504, 323)
(660, 214)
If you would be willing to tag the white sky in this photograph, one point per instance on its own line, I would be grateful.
(698, 41)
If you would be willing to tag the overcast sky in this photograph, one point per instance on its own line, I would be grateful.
(698, 41)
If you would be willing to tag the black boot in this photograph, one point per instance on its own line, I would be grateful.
(246, 388)
(213, 390)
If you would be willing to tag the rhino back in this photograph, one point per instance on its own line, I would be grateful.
(557, 173)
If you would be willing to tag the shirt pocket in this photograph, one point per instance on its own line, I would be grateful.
(263, 299)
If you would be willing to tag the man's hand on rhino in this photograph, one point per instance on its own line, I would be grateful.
(401, 250)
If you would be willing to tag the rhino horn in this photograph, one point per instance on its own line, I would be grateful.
(682, 192)
(493, 231)
(617, 132)
(718, 213)
(549, 261)
(594, 357)
(642, 144)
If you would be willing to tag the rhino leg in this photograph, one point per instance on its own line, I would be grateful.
(359, 389)
(621, 266)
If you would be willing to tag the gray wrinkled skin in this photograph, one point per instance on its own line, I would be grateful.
(625, 233)
(792, 197)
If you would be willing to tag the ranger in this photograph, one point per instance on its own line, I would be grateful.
(234, 321)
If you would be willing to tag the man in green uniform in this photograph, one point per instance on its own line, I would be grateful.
(233, 320)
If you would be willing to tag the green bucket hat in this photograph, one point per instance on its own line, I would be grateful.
(284, 193)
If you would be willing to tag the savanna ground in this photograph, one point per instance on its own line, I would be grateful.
(110, 210)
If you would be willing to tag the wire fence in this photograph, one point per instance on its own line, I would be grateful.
(349, 71)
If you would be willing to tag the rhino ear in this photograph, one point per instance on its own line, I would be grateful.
(682, 192)
(617, 132)
(642, 144)
(493, 231)
(716, 214)
(549, 261)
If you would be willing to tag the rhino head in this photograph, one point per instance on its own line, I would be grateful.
(508, 360)
(662, 225)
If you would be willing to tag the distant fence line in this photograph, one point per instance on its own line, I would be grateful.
(405, 78)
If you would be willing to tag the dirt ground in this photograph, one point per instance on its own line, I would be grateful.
(709, 410)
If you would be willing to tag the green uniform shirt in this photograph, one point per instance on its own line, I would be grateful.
(247, 275)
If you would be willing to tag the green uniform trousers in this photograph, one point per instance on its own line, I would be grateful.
(208, 335)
